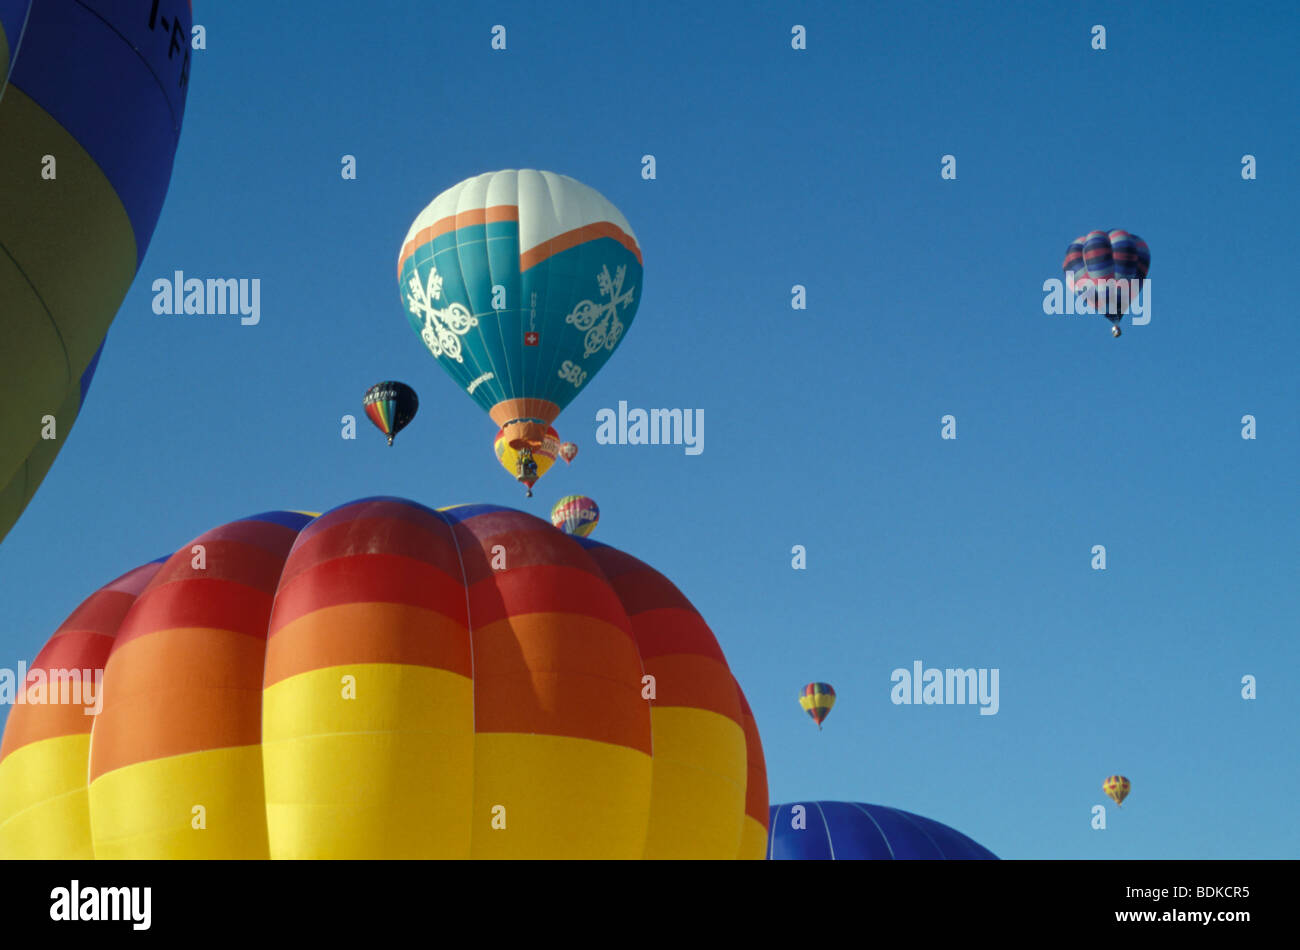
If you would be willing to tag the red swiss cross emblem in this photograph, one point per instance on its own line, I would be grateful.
(532, 338)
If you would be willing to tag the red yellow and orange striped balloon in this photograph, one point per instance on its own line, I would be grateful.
(387, 680)
(817, 700)
(544, 455)
(1116, 788)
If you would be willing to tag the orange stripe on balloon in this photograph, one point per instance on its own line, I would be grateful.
(180, 691)
(368, 633)
(562, 675)
(454, 222)
(588, 232)
(694, 682)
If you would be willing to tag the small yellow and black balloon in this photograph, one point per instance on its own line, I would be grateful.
(568, 452)
(1116, 787)
(391, 406)
(576, 514)
(817, 700)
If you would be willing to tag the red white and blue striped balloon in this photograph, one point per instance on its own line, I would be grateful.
(1103, 255)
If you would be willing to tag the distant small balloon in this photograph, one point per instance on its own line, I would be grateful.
(1097, 258)
(1116, 787)
(568, 452)
(527, 464)
(817, 700)
(391, 406)
(576, 514)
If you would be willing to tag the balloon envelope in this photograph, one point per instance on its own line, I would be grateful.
(1097, 259)
(543, 455)
(568, 452)
(1116, 788)
(816, 700)
(576, 514)
(371, 683)
(521, 284)
(391, 406)
(855, 831)
(101, 86)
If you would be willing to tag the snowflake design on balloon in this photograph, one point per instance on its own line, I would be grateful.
(443, 326)
(600, 320)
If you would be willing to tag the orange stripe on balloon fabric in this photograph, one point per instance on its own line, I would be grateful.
(527, 407)
(179, 691)
(562, 242)
(453, 222)
(368, 578)
(695, 682)
(368, 633)
(561, 675)
(28, 724)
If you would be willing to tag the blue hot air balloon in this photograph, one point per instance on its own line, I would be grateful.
(853, 831)
(92, 93)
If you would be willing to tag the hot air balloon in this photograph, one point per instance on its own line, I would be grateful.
(568, 452)
(1097, 261)
(99, 87)
(525, 464)
(576, 514)
(391, 406)
(370, 683)
(521, 284)
(817, 700)
(853, 831)
(1116, 788)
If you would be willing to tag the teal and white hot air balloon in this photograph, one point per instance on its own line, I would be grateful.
(521, 284)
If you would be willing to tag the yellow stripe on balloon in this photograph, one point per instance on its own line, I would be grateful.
(560, 797)
(148, 809)
(753, 842)
(44, 811)
(698, 793)
(381, 775)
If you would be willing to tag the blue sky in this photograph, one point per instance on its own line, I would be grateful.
(776, 168)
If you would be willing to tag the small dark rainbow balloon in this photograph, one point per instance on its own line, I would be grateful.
(817, 700)
(391, 406)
